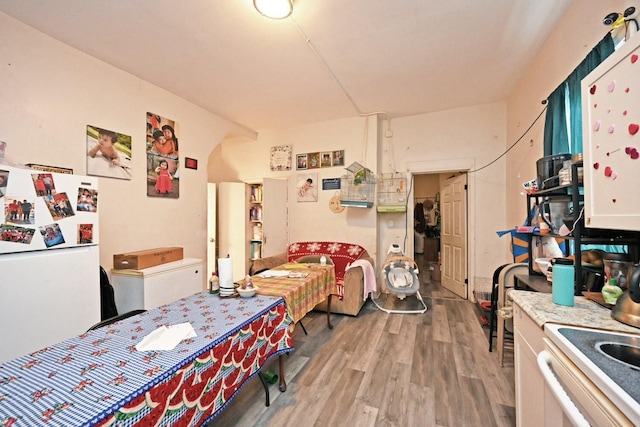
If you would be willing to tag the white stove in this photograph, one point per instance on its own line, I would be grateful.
(610, 360)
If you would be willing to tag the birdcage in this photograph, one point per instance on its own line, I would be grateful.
(392, 193)
(358, 189)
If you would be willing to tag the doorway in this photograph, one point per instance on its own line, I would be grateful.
(455, 211)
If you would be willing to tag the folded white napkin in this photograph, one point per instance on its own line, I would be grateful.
(165, 338)
(274, 273)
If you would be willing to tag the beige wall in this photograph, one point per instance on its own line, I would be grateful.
(50, 92)
(474, 134)
(246, 160)
(579, 31)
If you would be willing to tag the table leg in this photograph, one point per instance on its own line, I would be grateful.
(283, 383)
(329, 325)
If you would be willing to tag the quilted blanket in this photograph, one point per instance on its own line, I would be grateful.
(342, 254)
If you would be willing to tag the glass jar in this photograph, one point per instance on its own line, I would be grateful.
(565, 173)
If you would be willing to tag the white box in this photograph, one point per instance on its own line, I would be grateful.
(159, 285)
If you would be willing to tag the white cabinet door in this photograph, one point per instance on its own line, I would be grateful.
(275, 220)
(212, 225)
(530, 386)
(232, 225)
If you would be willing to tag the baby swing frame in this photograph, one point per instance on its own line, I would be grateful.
(397, 268)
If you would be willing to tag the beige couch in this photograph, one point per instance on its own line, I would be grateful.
(341, 254)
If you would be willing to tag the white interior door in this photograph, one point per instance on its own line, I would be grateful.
(274, 221)
(454, 235)
(211, 228)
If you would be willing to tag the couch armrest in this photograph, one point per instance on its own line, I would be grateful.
(267, 263)
(354, 281)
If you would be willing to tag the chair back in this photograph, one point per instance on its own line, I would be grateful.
(107, 297)
(117, 318)
(314, 259)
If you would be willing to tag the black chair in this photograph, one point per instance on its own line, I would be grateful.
(107, 297)
(116, 318)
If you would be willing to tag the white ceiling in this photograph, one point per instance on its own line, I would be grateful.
(332, 59)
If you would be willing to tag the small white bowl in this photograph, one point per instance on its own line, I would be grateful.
(543, 264)
(246, 293)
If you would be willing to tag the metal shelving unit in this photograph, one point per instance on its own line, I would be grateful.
(581, 235)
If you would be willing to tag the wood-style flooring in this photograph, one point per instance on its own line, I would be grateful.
(380, 369)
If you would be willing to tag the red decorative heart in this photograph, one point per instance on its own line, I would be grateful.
(596, 165)
(633, 128)
(624, 113)
(607, 172)
(634, 154)
(592, 90)
(634, 58)
(626, 90)
(627, 150)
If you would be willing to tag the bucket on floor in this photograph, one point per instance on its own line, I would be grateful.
(434, 267)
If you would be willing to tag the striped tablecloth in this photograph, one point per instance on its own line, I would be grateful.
(99, 378)
(300, 294)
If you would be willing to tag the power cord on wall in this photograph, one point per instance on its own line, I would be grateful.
(513, 145)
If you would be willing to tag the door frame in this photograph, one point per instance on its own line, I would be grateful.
(443, 166)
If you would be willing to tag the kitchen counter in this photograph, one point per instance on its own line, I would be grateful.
(584, 313)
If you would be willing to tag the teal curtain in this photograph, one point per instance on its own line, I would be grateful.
(594, 58)
(563, 121)
(556, 135)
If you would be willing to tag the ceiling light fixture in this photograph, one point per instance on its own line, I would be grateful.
(275, 9)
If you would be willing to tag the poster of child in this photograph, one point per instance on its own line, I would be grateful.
(108, 153)
(306, 189)
(163, 164)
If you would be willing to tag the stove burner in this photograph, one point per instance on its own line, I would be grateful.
(623, 353)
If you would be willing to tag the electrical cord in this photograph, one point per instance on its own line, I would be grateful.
(513, 145)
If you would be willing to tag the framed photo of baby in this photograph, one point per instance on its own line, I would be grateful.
(163, 165)
(108, 153)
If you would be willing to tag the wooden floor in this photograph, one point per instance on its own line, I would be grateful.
(380, 369)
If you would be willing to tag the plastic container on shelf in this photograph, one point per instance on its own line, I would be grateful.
(563, 282)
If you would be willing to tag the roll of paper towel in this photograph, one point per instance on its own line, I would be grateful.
(225, 272)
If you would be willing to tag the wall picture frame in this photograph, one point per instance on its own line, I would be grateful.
(281, 158)
(337, 158)
(325, 159)
(302, 161)
(314, 160)
(190, 163)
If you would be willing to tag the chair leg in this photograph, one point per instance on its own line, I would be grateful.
(266, 388)
(302, 326)
(492, 324)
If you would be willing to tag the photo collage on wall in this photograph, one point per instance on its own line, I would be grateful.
(163, 166)
(21, 212)
(108, 153)
(324, 159)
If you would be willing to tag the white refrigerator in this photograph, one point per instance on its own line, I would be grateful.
(49, 258)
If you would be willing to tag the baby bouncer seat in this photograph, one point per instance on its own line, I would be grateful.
(401, 278)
